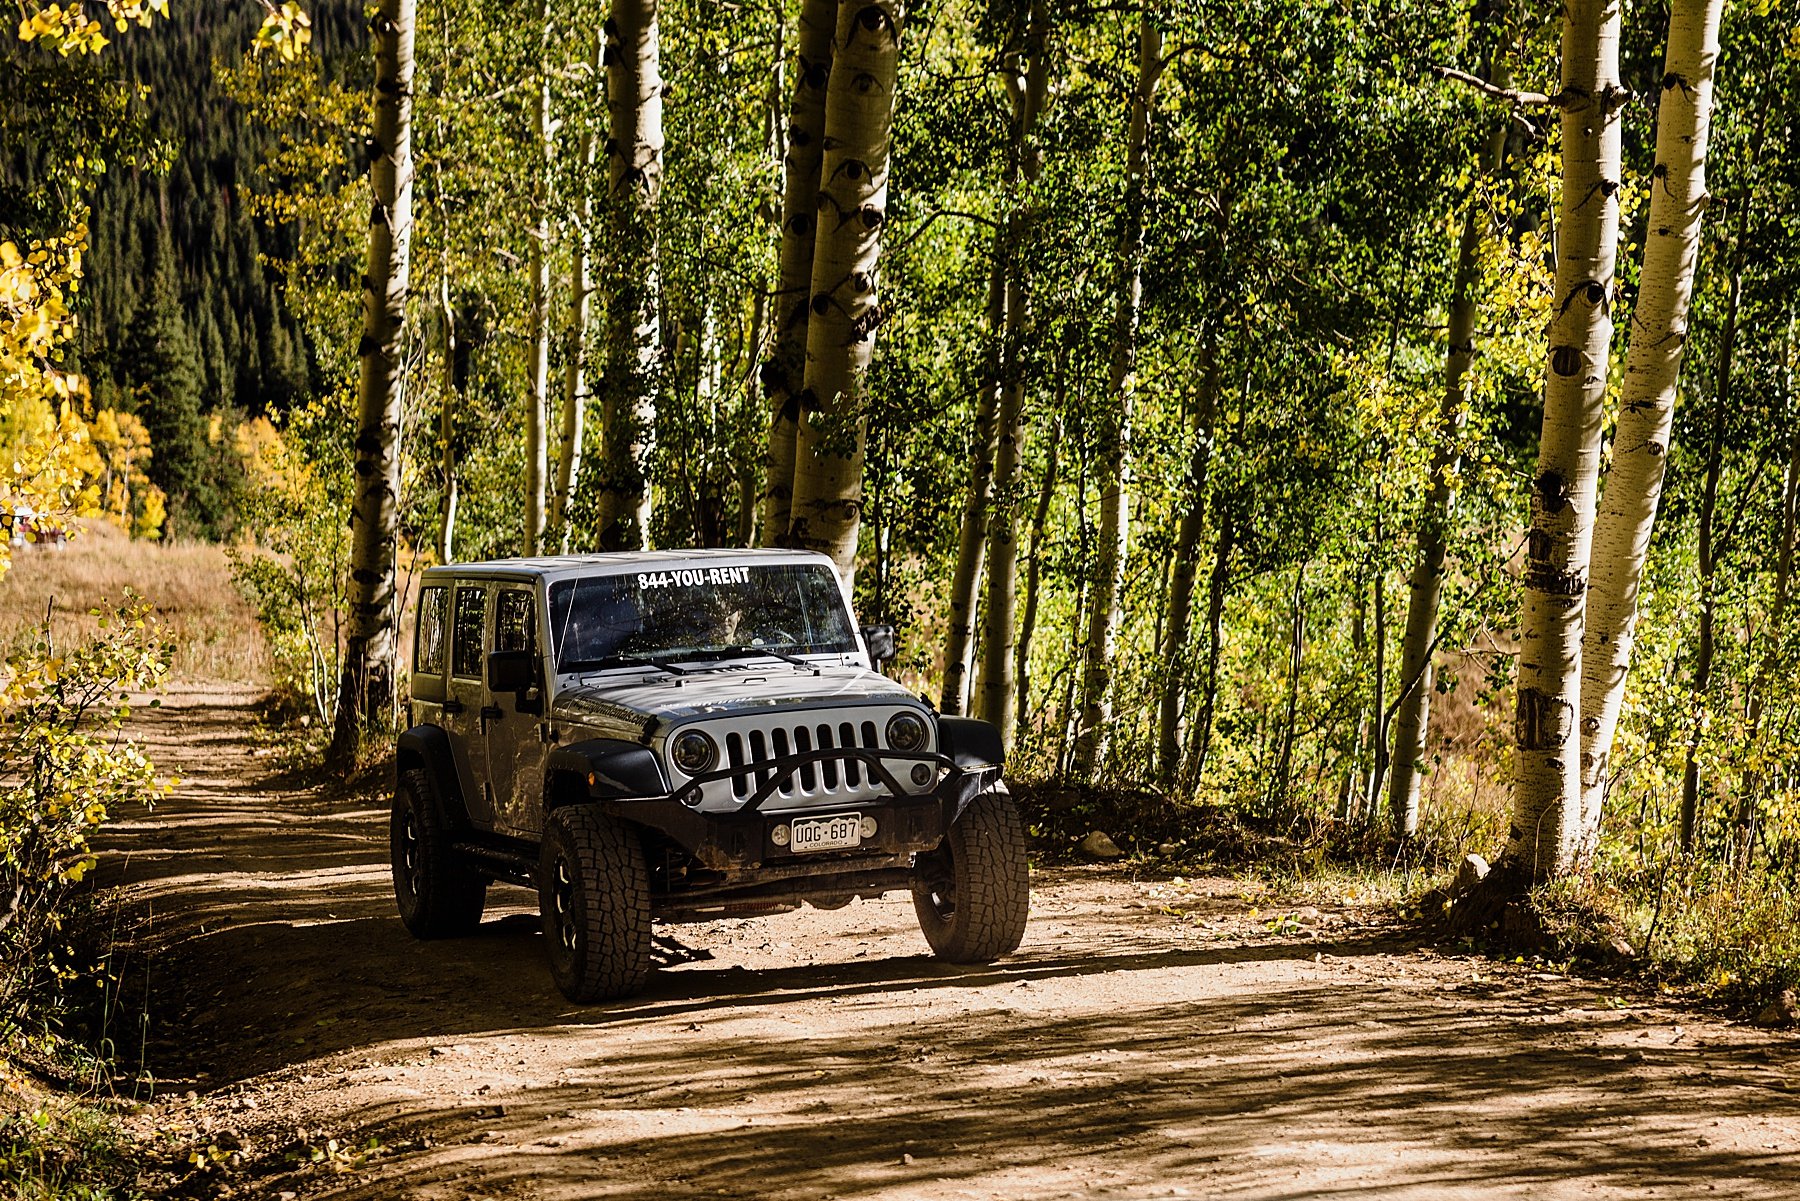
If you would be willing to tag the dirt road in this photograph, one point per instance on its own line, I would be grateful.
(1147, 1040)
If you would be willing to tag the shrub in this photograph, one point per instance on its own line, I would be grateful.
(64, 765)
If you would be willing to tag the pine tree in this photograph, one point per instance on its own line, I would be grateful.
(159, 367)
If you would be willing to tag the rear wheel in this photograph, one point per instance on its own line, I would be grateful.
(594, 893)
(438, 895)
(973, 893)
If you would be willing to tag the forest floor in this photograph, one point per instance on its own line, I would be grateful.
(1151, 1038)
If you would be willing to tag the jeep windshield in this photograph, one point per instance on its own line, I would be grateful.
(655, 618)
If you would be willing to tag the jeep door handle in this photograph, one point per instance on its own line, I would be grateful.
(454, 706)
(492, 712)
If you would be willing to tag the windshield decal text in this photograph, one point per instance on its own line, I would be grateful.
(693, 577)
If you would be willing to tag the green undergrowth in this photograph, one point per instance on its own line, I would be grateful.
(58, 1148)
(1298, 855)
(1724, 933)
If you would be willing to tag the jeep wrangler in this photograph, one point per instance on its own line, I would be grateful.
(684, 736)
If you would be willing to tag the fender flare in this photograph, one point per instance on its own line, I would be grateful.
(972, 744)
(428, 748)
(607, 769)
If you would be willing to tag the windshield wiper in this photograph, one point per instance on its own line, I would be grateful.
(752, 652)
(626, 661)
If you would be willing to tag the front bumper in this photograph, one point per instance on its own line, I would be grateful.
(741, 840)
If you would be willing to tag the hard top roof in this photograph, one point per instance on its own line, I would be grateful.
(549, 567)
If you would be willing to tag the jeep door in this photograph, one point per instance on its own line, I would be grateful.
(516, 750)
(466, 695)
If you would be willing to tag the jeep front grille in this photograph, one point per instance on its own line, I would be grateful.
(826, 778)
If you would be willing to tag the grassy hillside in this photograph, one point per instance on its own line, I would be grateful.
(189, 583)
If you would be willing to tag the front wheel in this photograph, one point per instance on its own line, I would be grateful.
(973, 892)
(438, 895)
(594, 894)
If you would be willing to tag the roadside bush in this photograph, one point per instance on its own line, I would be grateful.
(64, 766)
(296, 574)
(62, 1151)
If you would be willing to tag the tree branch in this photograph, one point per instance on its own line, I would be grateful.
(1510, 95)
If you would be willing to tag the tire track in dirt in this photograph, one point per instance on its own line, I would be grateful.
(1126, 1051)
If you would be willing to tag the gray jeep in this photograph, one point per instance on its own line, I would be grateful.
(686, 736)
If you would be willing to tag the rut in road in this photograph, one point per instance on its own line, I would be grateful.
(1147, 1039)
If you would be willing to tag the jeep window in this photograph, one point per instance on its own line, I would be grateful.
(428, 644)
(697, 613)
(512, 621)
(465, 653)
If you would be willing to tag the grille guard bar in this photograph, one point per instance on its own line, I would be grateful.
(784, 767)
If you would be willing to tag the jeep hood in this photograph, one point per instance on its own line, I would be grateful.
(629, 698)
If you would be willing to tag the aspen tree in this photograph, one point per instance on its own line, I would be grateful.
(999, 689)
(1547, 781)
(446, 540)
(1112, 452)
(536, 442)
(971, 540)
(1185, 570)
(1776, 632)
(1706, 642)
(1425, 586)
(1659, 321)
(581, 292)
(785, 372)
(366, 687)
(634, 150)
(826, 512)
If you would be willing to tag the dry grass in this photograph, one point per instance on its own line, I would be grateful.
(189, 583)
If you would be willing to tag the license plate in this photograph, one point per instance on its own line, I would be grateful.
(834, 833)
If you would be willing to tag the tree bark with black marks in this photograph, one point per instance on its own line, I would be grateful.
(366, 686)
(784, 373)
(1547, 786)
(1113, 433)
(634, 171)
(826, 509)
(1659, 321)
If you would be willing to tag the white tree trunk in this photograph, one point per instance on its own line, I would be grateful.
(634, 170)
(971, 541)
(1647, 398)
(826, 513)
(1412, 718)
(446, 543)
(366, 687)
(785, 372)
(999, 635)
(1113, 420)
(1184, 571)
(536, 441)
(1547, 784)
(581, 292)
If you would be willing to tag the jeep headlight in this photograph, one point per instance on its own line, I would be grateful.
(694, 752)
(906, 732)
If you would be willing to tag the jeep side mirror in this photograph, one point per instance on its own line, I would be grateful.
(510, 671)
(879, 642)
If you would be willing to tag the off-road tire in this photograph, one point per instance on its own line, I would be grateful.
(594, 894)
(439, 895)
(973, 892)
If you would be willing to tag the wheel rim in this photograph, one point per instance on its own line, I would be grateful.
(939, 879)
(562, 897)
(411, 862)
